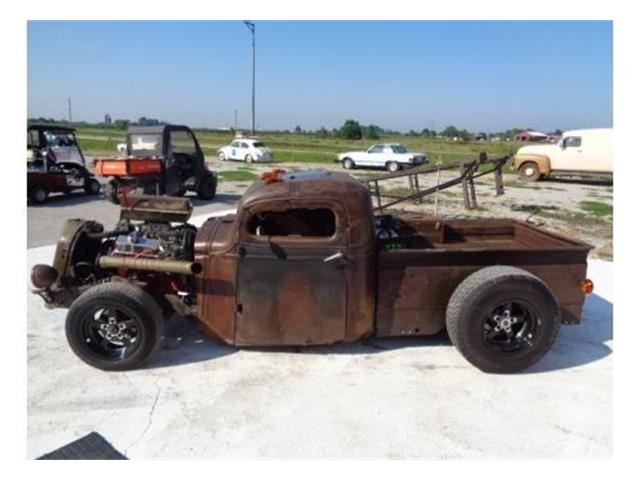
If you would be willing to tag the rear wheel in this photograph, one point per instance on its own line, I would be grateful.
(39, 194)
(393, 166)
(92, 187)
(114, 326)
(207, 189)
(248, 158)
(529, 172)
(222, 157)
(111, 192)
(348, 164)
(503, 319)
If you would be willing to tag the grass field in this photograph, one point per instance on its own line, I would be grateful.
(306, 148)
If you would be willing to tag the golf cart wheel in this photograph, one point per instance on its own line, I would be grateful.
(92, 187)
(39, 194)
(114, 326)
(502, 319)
(248, 158)
(529, 172)
(348, 164)
(222, 157)
(111, 192)
(393, 166)
(207, 189)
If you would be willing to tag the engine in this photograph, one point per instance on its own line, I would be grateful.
(157, 240)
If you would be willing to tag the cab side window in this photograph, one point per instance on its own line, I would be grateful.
(182, 142)
(296, 222)
(572, 142)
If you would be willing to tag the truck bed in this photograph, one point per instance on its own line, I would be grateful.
(420, 267)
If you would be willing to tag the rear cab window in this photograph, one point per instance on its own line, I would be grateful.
(294, 222)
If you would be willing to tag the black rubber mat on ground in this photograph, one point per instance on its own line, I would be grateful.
(90, 447)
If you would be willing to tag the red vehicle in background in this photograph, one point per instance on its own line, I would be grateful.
(55, 163)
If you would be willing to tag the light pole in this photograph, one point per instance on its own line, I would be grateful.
(251, 26)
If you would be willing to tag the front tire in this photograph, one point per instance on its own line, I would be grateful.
(529, 172)
(393, 166)
(39, 194)
(208, 187)
(503, 319)
(114, 326)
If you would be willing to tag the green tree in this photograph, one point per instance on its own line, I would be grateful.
(298, 129)
(371, 133)
(351, 130)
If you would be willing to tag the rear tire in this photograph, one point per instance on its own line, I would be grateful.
(503, 319)
(92, 187)
(248, 158)
(208, 187)
(39, 194)
(114, 326)
(348, 164)
(111, 192)
(529, 172)
(222, 157)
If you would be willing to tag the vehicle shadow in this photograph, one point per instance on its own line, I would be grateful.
(226, 198)
(185, 343)
(67, 200)
(596, 182)
(581, 344)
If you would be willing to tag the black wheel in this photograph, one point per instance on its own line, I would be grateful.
(248, 158)
(348, 163)
(39, 194)
(393, 166)
(529, 172)
(92, 187)
(207, 188)
(111, 192)
(503, 319)
(114, 326)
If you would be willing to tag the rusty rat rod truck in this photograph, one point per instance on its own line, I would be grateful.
(305, 262)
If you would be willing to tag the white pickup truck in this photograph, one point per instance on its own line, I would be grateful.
(578, 152)
(391, 156)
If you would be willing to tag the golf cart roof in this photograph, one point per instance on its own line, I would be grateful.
(50, 128)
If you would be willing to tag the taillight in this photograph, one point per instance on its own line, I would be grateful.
(586, 286)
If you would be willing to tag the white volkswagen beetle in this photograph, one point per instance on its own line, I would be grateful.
(391, 156)
(246, 150)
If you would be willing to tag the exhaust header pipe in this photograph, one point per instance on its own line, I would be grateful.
(151, 265)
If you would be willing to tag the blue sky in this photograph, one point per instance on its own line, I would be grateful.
(483, 76)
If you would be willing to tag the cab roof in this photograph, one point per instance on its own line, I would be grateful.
(313, 185)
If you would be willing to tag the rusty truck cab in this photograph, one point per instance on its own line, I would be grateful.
(294, 266)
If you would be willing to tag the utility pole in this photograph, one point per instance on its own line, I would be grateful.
(252, 27)
(235, 127)
(69, 103)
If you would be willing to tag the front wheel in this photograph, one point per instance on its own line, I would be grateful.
(39, 194)
(503, 319)
(393, 166)
(114, 326)
(111, 192)
(529, 172)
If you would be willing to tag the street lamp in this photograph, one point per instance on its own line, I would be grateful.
(251, 26)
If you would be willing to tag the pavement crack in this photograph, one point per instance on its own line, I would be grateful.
(149, 420)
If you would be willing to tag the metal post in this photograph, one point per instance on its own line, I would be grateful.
(251, 26)
(70, 117)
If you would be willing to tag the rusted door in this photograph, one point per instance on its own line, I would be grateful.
(291, 278)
